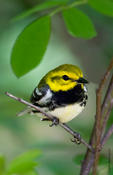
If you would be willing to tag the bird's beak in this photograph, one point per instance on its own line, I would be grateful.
(82, 80)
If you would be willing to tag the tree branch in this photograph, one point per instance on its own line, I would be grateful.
(107, 136)
(97, 128)
(107, 96)
(64, 126)
(90, 158)
(107, 116)
(99, 116)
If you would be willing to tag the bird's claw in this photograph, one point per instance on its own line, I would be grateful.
(77, 139)
(55, 121)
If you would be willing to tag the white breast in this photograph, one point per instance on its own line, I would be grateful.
(67, 113)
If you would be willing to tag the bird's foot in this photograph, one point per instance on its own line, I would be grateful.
(55, 121)
(77, 138)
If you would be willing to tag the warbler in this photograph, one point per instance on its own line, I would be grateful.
(61, 92)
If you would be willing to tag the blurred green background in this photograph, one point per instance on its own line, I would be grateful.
(20, 134)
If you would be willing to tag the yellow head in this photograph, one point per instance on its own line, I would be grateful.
(64, 77)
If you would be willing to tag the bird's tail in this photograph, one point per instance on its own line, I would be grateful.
(27, 110)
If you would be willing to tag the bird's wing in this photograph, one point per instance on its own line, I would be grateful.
(41, 97)
(36, 95)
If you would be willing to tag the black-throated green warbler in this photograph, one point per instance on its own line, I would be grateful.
(61, 92)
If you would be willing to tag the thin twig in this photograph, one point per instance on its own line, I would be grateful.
(107, 115)
(97, 129)
(67, 128)
(90, 157)
(106, 75)
(107, 136)
(107, 96)
(73, 133)
(107, 105)
(99, 116)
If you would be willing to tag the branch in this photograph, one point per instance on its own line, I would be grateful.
(97, 128)
(107, 104)
(107, 116)
(107, 96)
(89, 156)
(63, 125)
(107, 136)
(99, 116)
(106, 76)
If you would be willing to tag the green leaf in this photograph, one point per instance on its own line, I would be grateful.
(103, 6)
(24, 163)
(30, 46)
(2, 164)
(43, 6)
(23, 167)
(78, 24)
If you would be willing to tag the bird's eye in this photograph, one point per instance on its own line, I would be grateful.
(65, 77)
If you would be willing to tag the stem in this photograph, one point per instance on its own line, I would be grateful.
(90, 157)
(107, 116)
(107, 104)
(97, 129)
(63, 125)
(65, 7)
(99, 117)
(107, 136)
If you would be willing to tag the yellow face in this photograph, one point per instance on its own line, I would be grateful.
(64, 77)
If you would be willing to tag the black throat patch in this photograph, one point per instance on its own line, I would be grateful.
(77, 94)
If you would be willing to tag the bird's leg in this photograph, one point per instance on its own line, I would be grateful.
(77, 138)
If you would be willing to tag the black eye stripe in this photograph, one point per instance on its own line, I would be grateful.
(65, 77)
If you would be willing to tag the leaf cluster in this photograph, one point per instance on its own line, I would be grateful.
(22, 165)
(31, 44)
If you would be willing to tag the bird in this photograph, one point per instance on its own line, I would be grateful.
(62, 92)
